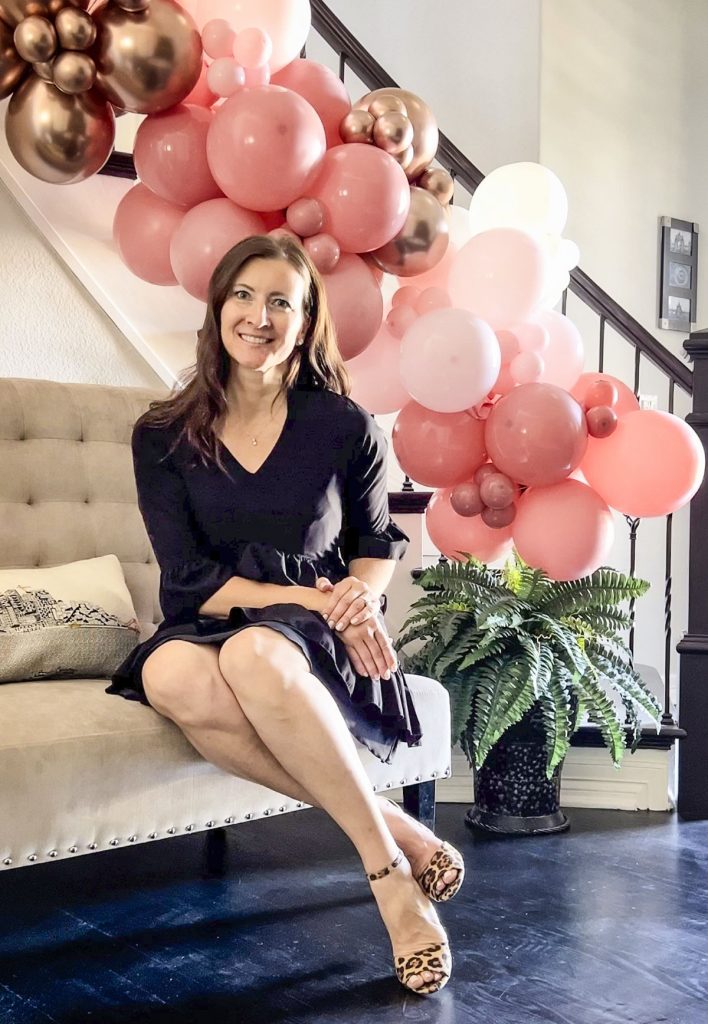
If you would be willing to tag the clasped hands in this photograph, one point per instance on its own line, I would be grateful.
(351, 611)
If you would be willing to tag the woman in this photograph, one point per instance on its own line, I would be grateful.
(263, 489)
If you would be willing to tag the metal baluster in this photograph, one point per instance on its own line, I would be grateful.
(637, 357)
(601, 351)
(564, 301)
(667, 718)
(407, 484)
(342, 66)
(633, 527)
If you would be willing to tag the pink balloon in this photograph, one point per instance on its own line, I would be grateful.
(206, 233)
(453, 534)
(465, 499)
(365, 194)
(432, 298)
(143, 227)
(264, 147)
(376, 383)
(218, 38)
(201, 95)
(437, 449)
(526, 367)
(406, 296)
(355, 302)
(438, 276)
(305, 217)
(651, 465)
(287, 22)
(564, 356)
(322, 89)
(532, 337)
(536, 434)
(253, 48)
(324, 252)
(225, 76)
(170, 155)
(565, 529)
(449, 360)
(499, 276)
(399, 319)
(627, 401)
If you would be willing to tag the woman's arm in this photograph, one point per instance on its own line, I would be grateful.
(242, 593)
(377, 573)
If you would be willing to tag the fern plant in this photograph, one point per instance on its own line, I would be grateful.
(504, 640)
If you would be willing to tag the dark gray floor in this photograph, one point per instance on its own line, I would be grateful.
(604, 923)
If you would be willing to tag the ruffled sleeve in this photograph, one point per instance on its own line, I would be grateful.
(188, 574)
(369, 531)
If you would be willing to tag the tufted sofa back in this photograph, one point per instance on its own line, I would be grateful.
(67, 489)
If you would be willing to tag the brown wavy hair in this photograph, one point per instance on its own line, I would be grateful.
(198, 399)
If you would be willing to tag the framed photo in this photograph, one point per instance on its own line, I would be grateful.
(678, 273)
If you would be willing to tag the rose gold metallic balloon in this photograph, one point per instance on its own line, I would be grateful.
(425, 128)
(57, 138)
(35, 39)
(76, 29)
(393, 132)
(438, 182)
(44, 70)
(404, 158)
(74, 72)
(149, 61)
(422, 241)
(13, 11)
(12, 68)
(386, 102)
(357, 126)
(133, 5)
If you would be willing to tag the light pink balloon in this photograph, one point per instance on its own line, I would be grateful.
(453, 534)
(264, 147)
(324, 252)
(408, 295)
(322, 89)
(365, 194)
(305, 217)
(508, 345)
(253, 48)
(376, 382)
(532, 337)
(206, 233)
(218, 38)
(564, 356)
(499, 275)
(526, 367)
(432, 298)
(627, 401)
(201, 95)
(143, 227)
(170, 155)
(356, 304)
(438, 276)
(437, 449)
(449, 360)
(287, 22)
(257, 76)
(565, 529)
(399, 319)
(651, 465)
(225, 77)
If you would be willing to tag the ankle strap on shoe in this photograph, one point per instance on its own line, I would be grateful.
(388, 869)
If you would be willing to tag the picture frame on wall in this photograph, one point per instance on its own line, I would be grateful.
(678, 273)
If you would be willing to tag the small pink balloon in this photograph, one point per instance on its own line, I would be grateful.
(601, 392)
(406, 296)
(652, 464)
(305, 217)
(253, 48)
(504, 382)
(601, 420)
(225, 77)
(564, 356)
(400, 319)
(324, 252)
(201, 95)
(355, 302)
(170, 155)
(465, 499)
(565, 529)
(376, 382)
(626, 401)
(437, 449)
(533, 337)
(256, 77)
(484, 471)
(526, 367)
(218, 38)
(143, 227)
(205, 234)
(322, 89)
(498, 518)
(498, 491)
(432, 298)
(453, 534)
(508, 345)
(287, 22)
(284, 231)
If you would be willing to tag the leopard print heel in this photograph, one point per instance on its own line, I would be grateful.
(445, 859)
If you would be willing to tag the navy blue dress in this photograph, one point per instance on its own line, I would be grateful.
(319, 500)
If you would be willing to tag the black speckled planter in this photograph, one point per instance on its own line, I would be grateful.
(512, 794)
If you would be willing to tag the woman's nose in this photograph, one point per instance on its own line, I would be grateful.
(258, 314)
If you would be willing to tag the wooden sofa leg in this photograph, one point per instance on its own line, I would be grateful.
(214, 853)
(419, 800)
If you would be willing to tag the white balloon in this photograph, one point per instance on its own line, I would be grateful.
(524, 195)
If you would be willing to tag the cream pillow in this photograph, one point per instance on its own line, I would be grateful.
(69, 621)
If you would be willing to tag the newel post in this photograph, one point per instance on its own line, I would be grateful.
(693, 649)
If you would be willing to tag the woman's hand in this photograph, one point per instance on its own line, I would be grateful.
(370, 649)
(351, 601)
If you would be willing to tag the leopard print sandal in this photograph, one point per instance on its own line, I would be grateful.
(446, 858)
(435, 957)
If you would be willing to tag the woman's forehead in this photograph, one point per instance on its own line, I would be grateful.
(271, 275)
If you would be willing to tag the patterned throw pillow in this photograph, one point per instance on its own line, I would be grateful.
(70, 621)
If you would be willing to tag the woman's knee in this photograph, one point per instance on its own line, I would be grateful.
(259, 663)
(183, 682)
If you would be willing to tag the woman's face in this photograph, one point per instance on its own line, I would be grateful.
(263, 319)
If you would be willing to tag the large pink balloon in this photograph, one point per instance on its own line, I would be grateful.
(565, 529)
(206, 233)
(627, 401)
(355, 302)
(375, 375)
(651, 465)
(365, 194)
(564, 356)
(536, 434)
(449, 360)
(453, 534)
(264, 147)
(287, 22)
(170, 155)
(143, 227)
(499, 276)
(322, 89)
(438, 449)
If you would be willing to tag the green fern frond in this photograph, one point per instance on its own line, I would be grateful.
(502, 696)
(601, 712)
(603, 587)
(555, 709)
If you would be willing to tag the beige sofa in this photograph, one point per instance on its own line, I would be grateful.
(83, 771)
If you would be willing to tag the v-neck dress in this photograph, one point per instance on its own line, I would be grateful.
(319, 500)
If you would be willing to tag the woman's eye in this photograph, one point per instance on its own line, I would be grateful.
(241, 294)
(281, 303)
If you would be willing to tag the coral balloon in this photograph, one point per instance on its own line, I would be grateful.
(170, 155)
(322, 89)
(287, 22)
(449, 360)
(425, 128)
(454, 535)
(264, 147)
(375, 377)
(536, 434)
(365, 195)
(652, 464)
(324, 252)
(601, 392)
(601, 420)
(626, 402)
(499, 276)
(522, 195)
(422, 241)
(437, 449)
(143, 227)
(565, 529)
(564, 356)
(305, 217)
(356, 304)
(206, 233)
